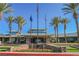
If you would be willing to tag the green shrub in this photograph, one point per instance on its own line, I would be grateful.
(4, 49)
(33, 50)
(57, 50)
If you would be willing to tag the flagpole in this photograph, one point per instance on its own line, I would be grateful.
(30, 28)
(30, 24)
(37, 19)
(45, 28)
(31, 31)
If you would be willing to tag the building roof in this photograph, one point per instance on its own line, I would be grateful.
(68, 35)
(40, 34)
(35, 30)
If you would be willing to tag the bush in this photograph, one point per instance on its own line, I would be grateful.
(33, 50)
(4, 48)
(56, 49)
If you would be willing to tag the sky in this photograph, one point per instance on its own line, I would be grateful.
(29, 9)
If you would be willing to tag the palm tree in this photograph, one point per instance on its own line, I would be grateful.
(64, 21)
(4, 8)
(10, 20)
(20, 21)
(55, 22)
(73, 9)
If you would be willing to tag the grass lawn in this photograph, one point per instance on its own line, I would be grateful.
(71, 49)
(7, 48)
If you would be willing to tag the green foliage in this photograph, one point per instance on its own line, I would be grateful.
(70, 8)
(72, 49)
(20, 21)
(34, 50)
(4, 8)
(4, 49)
(55, 21)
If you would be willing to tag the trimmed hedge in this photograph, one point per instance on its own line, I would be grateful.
(34, 50)
(2, 49)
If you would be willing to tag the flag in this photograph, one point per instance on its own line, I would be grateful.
(31, 18)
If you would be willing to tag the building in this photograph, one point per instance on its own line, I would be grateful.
(34, 37)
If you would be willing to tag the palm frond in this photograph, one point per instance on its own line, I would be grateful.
(5, 8)
(66, 9)
(70, 8)
(66, 12)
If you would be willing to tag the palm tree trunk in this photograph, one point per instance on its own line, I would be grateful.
(10, 33)
(65, 33)
(77, 25)
(18, 34)
(57, 35)
(18, 29)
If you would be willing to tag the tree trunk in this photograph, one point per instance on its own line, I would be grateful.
(10, 33)
(76, 20)
(20, 28)
(18, 34)
(65, 33)
(75, 15)
(57, 35)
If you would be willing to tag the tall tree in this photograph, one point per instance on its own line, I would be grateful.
(20, 21)
(55, 22)
(64, 21)
(10, 20)
(73, 9)
(4, 8)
